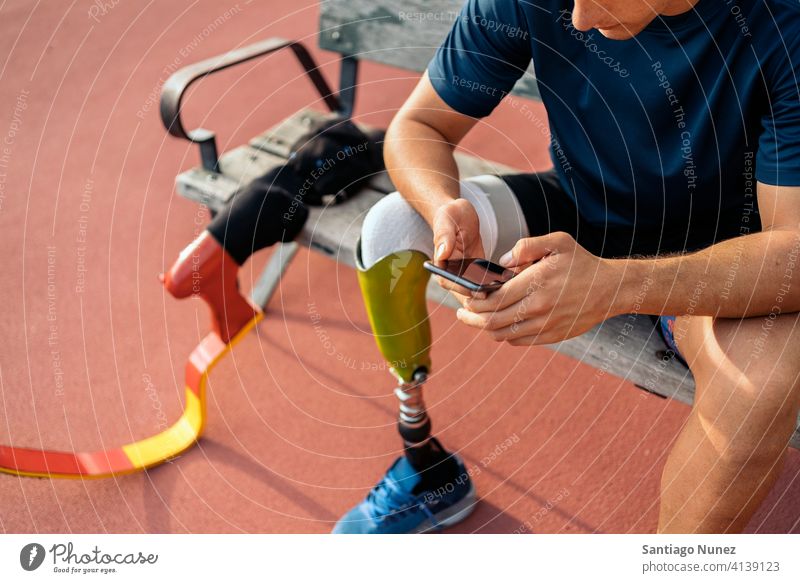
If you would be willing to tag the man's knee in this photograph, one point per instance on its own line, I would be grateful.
(765, 349)
(394, 225)
(391, 225)
(747, 399)
(689, 333)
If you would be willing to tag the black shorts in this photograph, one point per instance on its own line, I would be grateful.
(547, 208)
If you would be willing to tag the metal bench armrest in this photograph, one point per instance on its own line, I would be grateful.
(175, 87)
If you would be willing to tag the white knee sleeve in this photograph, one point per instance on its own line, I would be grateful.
(394, 225)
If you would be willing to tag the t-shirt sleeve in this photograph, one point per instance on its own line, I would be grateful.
(486, 51)
(778, 159)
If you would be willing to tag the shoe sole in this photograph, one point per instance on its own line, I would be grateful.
(453, 515)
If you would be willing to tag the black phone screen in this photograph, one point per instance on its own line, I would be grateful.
(480, 272)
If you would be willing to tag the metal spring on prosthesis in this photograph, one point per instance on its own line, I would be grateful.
(412, 406)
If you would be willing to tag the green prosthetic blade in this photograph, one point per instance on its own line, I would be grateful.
(394, 295)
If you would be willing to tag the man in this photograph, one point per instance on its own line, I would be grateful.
(675, 191)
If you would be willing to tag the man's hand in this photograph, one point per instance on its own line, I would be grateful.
(418, 151)
(456, 234)
(561, 291)
(456, 231)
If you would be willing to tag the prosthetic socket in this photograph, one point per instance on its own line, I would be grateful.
(394, 295)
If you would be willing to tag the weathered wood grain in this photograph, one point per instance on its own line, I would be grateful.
(402, 33)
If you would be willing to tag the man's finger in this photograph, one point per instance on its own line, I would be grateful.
(531, 249)
(511, 292)
(536, 326)
(444, 237)
(461, 298)
(453, 287)
(516, 313)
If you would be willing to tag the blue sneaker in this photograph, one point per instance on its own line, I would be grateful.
(392, 507)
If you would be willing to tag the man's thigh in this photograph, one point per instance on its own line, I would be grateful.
(546, 206)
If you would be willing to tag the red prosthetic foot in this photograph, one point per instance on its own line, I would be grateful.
(205, 269)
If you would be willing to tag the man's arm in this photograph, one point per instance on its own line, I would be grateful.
(419, 156)
(443, 108)
(746, 276)
(563, 290)
(419, 149)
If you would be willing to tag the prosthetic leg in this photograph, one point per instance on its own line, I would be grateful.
(427, 488)
(394, 295)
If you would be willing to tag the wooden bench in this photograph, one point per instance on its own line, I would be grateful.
(402, 33)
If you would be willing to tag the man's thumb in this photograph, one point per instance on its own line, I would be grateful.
(443, 243)
(528, 250)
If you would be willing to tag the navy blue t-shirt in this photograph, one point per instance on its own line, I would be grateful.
(671, 126)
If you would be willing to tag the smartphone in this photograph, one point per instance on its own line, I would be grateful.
(478, 275)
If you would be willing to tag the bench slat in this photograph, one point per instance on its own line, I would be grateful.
(401, 33)
(279, 139)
